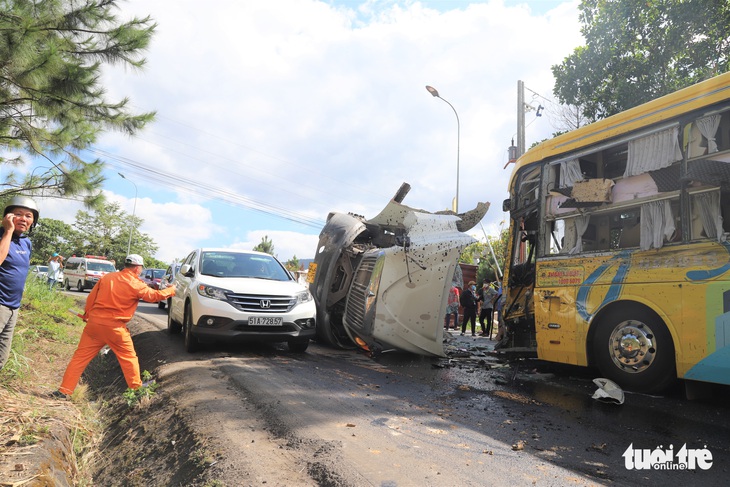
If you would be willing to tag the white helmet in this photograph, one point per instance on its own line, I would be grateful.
(134, 259)
(23, 202)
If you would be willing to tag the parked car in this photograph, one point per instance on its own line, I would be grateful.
(225, 294)
(152, 277)
(39, 271)
(167, 278)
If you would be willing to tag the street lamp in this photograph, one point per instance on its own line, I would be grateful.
(435, 93)
(134, 209)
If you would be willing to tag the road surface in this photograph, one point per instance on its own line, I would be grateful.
(338, 417)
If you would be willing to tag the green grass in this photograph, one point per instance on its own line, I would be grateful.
(43, 317)
(136, 396)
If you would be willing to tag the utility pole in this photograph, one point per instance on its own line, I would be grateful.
(523, 108)
(520, 117)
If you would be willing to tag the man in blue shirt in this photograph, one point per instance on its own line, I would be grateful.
(19, 217)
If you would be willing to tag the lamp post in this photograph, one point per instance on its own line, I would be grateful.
(134, 209)
(435, 93)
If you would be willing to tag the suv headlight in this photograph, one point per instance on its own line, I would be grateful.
(212, 292)
(303, 297)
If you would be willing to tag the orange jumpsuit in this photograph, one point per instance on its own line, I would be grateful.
(110, 305)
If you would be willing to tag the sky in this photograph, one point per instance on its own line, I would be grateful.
(272, 114)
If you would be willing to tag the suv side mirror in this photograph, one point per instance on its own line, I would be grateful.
(187, 270)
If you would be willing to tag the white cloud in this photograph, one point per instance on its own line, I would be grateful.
(309, 107)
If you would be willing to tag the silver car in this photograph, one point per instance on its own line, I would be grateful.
(225, 294)
(39, 271)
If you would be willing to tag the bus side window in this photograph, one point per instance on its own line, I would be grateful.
(630, 229)
(557, 237)
(706, 207)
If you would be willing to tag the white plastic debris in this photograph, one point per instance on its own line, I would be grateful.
(608, 391)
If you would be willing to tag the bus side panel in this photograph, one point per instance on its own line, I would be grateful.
(709, 305)
(688, 286)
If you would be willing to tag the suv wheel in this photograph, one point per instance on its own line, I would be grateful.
(298, 346)
(79, 286)
(191, 343)
(173, 327)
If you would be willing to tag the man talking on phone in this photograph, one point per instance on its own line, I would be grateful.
(19, 218)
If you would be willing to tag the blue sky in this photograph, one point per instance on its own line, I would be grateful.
(273, 113)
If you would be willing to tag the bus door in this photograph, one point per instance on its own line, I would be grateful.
(556, 319)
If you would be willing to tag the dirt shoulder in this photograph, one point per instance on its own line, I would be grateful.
(192, 431)
(96, 438)
(197, 430)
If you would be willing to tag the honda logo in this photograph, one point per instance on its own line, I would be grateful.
(265, 304)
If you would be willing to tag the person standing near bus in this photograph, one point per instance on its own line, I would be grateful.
(110, 306)
(487, 297)
(19, 218)
(499, 305)
(452, 307)
(469, 303)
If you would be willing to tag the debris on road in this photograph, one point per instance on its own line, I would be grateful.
(608, 391)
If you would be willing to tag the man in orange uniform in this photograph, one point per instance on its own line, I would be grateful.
(110, 305)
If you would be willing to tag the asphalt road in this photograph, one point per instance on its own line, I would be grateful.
(402, 420)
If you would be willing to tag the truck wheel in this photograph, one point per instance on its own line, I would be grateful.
(634, 348)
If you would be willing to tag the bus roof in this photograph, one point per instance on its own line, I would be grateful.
(666, 107)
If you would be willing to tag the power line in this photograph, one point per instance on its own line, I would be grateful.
(195, 187)
(338, 183)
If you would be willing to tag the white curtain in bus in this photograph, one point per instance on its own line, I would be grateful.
(708, 128)
(657, 223)
(581, 225)
(709, 206)
(653, 152)
(570, 173)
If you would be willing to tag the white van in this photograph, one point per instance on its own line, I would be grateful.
(83, 272)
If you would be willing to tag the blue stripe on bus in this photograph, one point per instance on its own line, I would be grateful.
(703, 275)
(614, 289)
(713, 368)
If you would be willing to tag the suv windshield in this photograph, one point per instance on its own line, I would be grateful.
(236, 264)
(158, 273)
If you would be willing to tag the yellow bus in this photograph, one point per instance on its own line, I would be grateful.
(619, 256)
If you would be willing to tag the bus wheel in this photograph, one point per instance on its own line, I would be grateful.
(634, 349)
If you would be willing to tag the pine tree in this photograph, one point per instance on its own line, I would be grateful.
(266, 245)
(52, 103)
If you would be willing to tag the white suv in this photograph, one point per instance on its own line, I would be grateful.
(225, 294)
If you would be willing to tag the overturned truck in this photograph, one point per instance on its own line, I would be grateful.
(382, 284)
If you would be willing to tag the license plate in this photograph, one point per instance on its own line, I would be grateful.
(311, 272)
(265, 320)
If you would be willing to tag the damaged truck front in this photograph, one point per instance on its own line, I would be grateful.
(382, 284)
